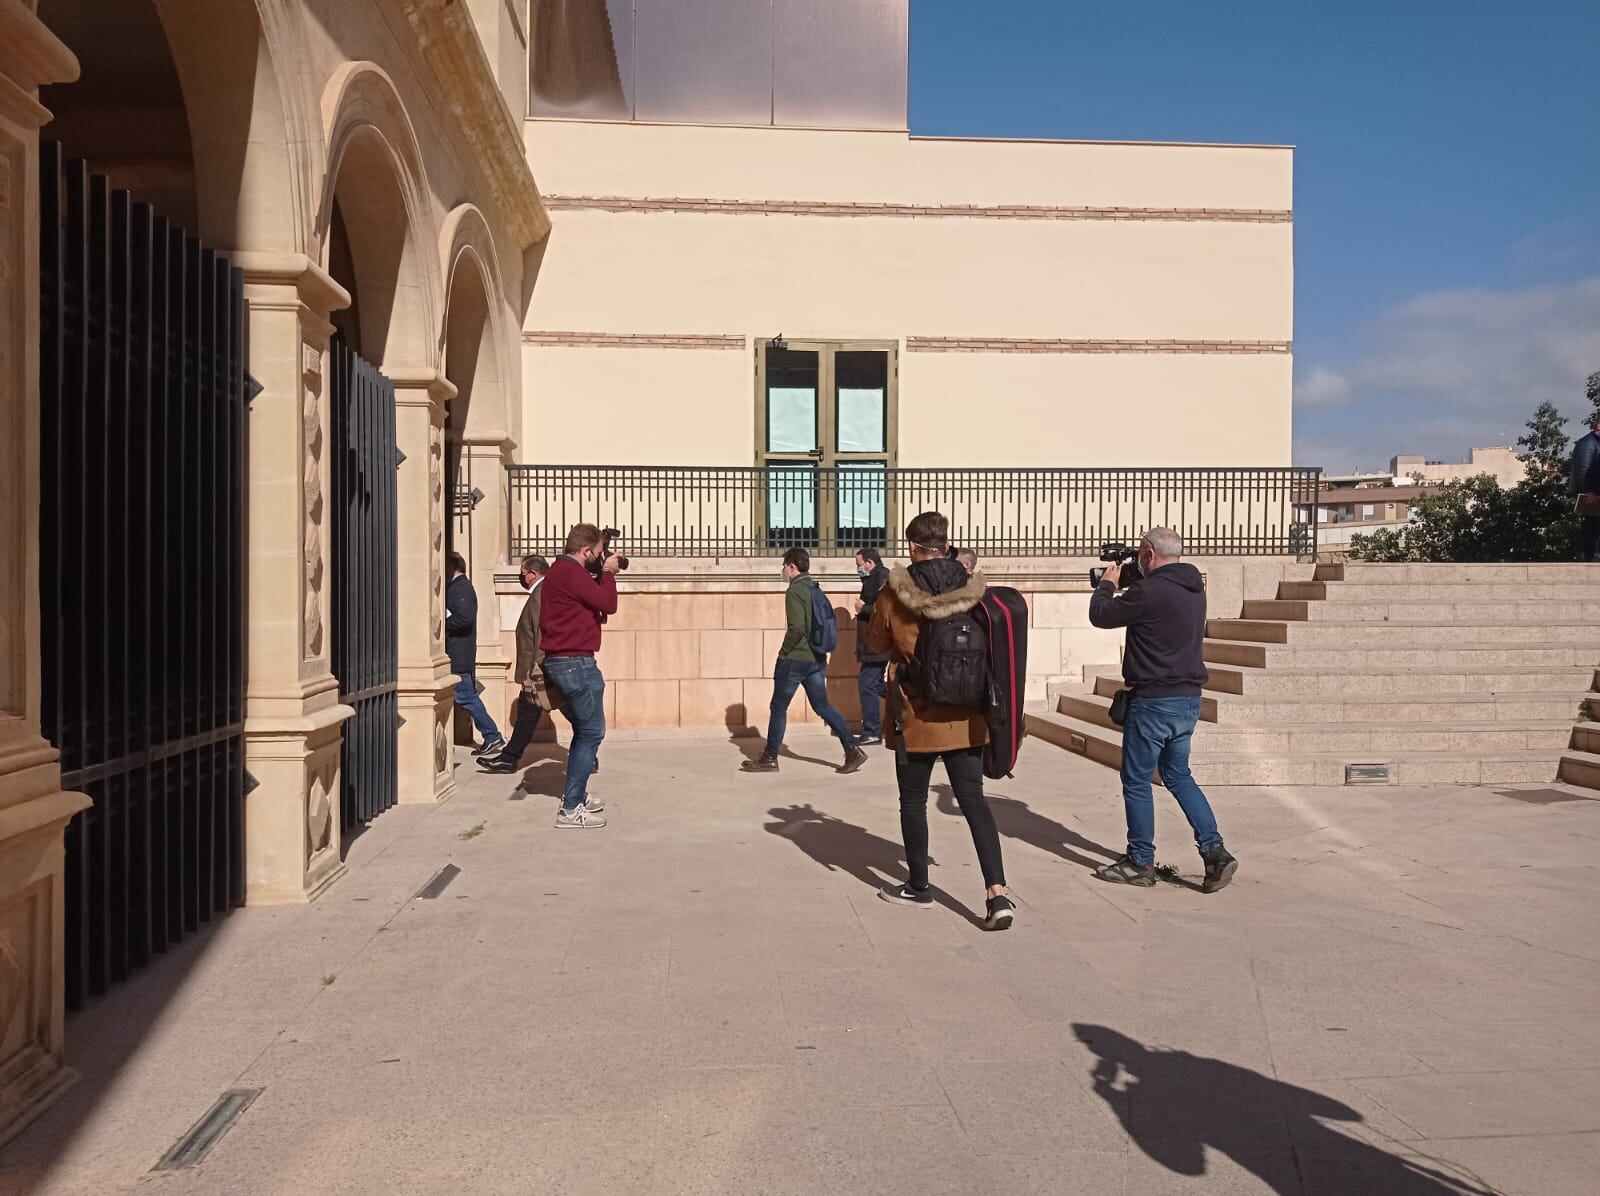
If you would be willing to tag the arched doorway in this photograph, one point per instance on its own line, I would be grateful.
(143, 408)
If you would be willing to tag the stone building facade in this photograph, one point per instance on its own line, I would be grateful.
(362, 163)
(369, 166)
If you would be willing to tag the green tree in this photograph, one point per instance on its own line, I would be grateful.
(1475, 520)
(1591, 390)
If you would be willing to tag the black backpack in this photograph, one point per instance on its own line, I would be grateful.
(951, 663)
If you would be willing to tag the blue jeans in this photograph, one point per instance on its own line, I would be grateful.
(788, 676)
(584, 688)
(467, 698)
(872, 687)
(1157, 734)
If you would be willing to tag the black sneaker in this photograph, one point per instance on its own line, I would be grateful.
(853, 760)
(906, 895)
(869, 741)
(496, 764)
(1002, 911)
(490, 747)
(1123, 871)
(1220, 867)
(760, 764)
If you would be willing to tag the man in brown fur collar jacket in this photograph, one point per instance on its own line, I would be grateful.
(935, 587)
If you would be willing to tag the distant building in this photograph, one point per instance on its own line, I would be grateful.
(1500, 461)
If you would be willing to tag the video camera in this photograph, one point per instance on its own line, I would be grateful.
(1119, 554)
(606, 536)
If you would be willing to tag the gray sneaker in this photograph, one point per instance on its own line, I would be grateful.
(579, 819)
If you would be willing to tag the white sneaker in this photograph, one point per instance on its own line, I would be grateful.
(580, 819)
(591, 803)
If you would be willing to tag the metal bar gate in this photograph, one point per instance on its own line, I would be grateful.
(365, 583)
(142, 568)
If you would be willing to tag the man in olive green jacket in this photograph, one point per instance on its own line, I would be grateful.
(799, 667)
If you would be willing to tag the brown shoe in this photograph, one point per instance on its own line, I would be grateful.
(761, 764)
(853, 760)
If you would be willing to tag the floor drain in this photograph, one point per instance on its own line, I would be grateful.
(192, 1147)
(441, 881)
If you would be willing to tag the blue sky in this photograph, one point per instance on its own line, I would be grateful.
(1447, 179)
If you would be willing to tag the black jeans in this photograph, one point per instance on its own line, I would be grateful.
(525, 716)
(1589, 540)
(964, 767)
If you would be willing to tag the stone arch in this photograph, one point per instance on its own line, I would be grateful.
(473, 337)
(182, 103)
(375, 220)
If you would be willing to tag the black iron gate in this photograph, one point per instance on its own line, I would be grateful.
(142, 568)
(365, 583)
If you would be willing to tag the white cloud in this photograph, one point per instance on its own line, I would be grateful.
(1321, 387)
(1449, 370)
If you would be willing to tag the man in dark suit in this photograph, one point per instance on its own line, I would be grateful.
(1584, 485)
(870, 682)
(461, 642)
(534, 700)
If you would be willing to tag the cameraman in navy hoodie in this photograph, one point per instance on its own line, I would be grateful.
(1162, 664)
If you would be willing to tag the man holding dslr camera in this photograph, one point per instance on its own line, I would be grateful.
(1165, 616)
(579, 592)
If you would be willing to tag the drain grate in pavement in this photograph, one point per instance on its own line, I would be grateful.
(202, 1136)
(440, 882)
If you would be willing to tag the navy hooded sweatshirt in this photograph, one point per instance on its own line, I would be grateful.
(1165, 615)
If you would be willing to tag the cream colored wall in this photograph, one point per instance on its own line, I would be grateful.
(593, 158)
(874, 277)
(637, 406)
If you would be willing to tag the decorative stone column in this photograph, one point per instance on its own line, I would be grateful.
(427, 768)
(490, 531)
(293, 714)
(33, 808)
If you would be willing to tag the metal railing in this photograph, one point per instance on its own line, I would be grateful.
(691, 511)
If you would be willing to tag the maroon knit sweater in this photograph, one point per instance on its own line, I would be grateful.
(571, 608)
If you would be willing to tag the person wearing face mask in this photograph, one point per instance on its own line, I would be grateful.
(534, 699)
(576, 600)
(1162, 664)
(870, 681)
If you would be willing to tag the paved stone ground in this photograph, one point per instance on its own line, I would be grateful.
(1400, 994)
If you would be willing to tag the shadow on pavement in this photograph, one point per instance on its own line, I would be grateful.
(1175, 1105)
(841, 846)
(1018, 820)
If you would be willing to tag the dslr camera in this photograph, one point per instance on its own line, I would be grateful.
(1119, 554)
(606, 552)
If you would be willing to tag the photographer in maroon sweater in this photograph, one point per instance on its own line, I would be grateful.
(579, 592)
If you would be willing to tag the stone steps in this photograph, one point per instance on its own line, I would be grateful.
(1410, 710)
(1424, 574)
(1336, 681)
(1470, 674)
(1496, 633)
(1450, 767)
(1410, 610)
(1436, 592)
(1469, 659)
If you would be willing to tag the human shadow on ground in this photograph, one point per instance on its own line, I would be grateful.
(1175, 1106)
(1017, 820)
(841, 846)
(752, 743)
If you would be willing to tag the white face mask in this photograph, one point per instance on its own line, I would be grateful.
(864, 570)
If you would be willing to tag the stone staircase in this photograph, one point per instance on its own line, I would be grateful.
(1435, 674)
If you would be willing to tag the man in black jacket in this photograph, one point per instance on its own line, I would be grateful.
(1162, 663)
(1584, 482)
(461, 641)
(870, 682)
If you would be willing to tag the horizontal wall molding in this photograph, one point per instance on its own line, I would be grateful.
(800, 207)
(635, 340)
(914, 344)
(996, 344)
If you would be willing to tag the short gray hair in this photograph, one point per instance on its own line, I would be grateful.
(1165, 543)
